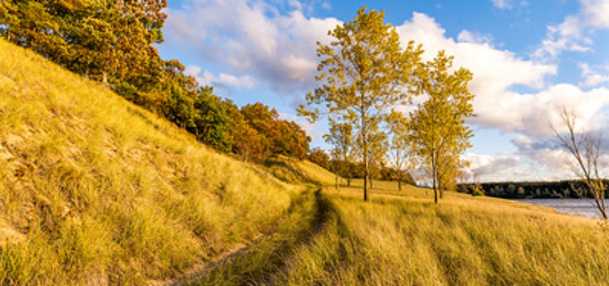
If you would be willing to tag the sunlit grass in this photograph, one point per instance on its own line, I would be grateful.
(95, 190)
(404, 239)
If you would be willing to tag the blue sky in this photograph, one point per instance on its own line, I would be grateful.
(529, 58)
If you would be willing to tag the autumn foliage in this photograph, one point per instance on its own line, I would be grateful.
(112, 41)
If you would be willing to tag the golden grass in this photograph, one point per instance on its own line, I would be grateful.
(298, 171)
(404, 239)
(95, 190)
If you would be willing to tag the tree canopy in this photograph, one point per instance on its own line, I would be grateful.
(113, 41)
(438, 131)
(362, 73)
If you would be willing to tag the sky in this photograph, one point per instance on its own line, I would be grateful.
(529, 59)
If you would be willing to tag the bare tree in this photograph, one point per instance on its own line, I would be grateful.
(585, 148)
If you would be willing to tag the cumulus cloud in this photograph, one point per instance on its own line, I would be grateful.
(573, 34)
(495, 71)
(473, 37)
(222, 79)
(490, 167)
(498, 105)
(251, 38)
(592, 77)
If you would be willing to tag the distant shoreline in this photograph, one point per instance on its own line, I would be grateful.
(571, 189)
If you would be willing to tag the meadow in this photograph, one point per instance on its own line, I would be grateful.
(404, 239)
(97, 191)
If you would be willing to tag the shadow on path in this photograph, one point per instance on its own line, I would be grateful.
(258, 263)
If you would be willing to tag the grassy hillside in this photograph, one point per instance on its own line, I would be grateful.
(94, 190)
(297, 171)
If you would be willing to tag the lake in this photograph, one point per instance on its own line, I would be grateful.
(583, 207)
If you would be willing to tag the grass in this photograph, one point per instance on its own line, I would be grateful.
(95, 190)
(404, 239)
(256, 264)
(299, 171)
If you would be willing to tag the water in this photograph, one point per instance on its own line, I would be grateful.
(582, 207)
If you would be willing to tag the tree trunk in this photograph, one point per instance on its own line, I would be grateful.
(336, 182)
(365, 147)
(400, 185)
(434, 172)
(348, 181)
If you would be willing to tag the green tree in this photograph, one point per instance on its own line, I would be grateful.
(106, 40)
(362, 73)
(438, 131)
(214, 125)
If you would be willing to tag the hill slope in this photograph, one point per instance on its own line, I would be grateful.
(301, 171)
(95, 190)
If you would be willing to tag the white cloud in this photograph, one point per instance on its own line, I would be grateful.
(596, 13)
(490, 167)
(495, 71)
(499, 106)
(251, 38)
(573, 34)
(222, 79)
(502, 4)
(591, 77)
(473, 37)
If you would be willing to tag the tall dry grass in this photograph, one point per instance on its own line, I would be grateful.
(404, 239)
(94, 190)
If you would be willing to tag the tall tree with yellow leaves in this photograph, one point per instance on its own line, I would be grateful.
(363, 72)
(439, 134)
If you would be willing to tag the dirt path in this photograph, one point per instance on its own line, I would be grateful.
(257, 263)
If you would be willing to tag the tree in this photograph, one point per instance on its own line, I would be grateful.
(585, 149)
(438, 131)
(377, 151)
(449, 170)
(341, 138)
(362, 73)
(106, 40)
(319, 157)
(280, 137)
(213, 125)
(399, 155)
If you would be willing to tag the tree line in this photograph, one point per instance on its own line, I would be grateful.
(113, 41)
(367, 79)
(349, 170)
(575, 189)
